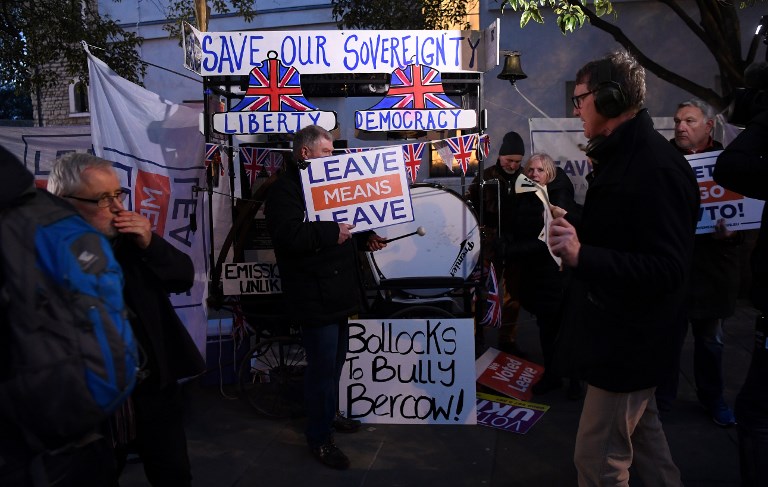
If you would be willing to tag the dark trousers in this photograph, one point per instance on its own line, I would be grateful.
(91, 465)
(160, 439)
(326, 348)
(752, 413)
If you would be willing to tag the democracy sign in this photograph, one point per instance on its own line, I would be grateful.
(417, 371)
(367, 189)
(739, 212)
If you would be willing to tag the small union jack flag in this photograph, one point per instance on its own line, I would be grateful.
(273, 162)
(412, 154)
(416, 87)
(461, 148)
(213, 155)
(492, 316)
(272, 87)
(252, 160)
(485, 145)
(351, 150)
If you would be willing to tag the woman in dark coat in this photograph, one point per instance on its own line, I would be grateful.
(541, 279)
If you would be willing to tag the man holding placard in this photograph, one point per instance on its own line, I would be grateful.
(317, 261)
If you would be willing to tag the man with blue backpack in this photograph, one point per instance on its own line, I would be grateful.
(68, 359)
(153, 426)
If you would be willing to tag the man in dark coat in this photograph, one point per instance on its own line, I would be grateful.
(321, 285)
(497, 189)
(742, 168)
(152, 268)
(630, 261)
(714, 281)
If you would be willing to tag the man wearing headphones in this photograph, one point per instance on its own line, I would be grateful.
(630, 258)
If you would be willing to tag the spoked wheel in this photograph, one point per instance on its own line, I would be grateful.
(272, 376)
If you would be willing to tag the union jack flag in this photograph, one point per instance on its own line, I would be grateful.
(213, 155)
(492, 316)
(272, 87)
(485, 145)
(412, 154)
(273, 162)
(415, 87)
(351, 150)
(252, 160)
(461, 148)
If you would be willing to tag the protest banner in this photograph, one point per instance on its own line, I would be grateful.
(739, 212)
(367, 189)
(411, 371)
(507, 374)
(251, 278)
(508, 414)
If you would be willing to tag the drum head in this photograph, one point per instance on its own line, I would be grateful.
(450, 246)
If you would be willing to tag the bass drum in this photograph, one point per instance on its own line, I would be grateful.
(449, 248)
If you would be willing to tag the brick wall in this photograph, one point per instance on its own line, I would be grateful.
(55, 105)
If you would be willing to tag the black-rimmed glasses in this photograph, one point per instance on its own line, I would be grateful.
(579, 98)
(103, 201)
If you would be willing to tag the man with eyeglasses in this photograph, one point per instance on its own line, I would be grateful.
(151, 422)
(630, 257)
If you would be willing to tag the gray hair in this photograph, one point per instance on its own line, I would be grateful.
(546, 161)
(706, 108)
(66, 174)
(308, 137)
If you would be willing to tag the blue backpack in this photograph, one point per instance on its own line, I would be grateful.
(71, 355)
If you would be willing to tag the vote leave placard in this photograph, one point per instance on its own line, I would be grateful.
(507, 374)
(367, 189)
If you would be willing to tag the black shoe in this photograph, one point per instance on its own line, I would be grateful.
(343, 424)
(575, 391)
(546, 384)
(329, 455)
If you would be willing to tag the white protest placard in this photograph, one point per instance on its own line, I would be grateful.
(414, 371)
(739, 212)
(339, 51)
(251, 278)
(367, 189)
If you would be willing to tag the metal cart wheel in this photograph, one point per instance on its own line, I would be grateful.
(272, 377)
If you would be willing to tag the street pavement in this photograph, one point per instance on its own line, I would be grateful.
(231, 445)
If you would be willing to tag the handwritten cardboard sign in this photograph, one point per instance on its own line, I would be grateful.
(507, 374)
(508, 414)
(739, 212)
(367, 189)
(251, 278)
(417, 371)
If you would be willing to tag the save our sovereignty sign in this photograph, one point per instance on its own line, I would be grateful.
(410, 371)
(739, 212)
(367, 189)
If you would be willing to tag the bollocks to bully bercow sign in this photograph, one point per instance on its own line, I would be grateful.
(367, 189)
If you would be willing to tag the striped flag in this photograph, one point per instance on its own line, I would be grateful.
(252, 160)
(461, 148)
(412, 154)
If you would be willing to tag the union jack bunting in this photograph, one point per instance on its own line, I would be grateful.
(485, 145)
(272, 87)
(273, 162)
(412, 155)
(492, 316)
(415, 87)
(351, 150)
(252, 160)
(461, 148)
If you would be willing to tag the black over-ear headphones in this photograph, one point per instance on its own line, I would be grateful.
(610, 101)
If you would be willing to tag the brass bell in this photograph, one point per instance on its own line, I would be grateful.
(512, 70)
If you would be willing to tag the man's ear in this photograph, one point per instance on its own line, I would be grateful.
(710, 125)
